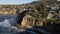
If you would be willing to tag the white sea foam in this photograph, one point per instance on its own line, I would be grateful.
(5, 23)
(5, 26)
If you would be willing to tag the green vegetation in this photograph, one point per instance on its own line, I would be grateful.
(41, 9)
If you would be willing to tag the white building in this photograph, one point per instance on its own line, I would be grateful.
(50, 16)
(54, 7)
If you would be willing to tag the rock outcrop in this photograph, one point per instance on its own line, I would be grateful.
(28, 21)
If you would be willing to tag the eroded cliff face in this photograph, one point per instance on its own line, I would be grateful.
(28, 21)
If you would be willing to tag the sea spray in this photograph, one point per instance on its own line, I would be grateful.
(6, 28)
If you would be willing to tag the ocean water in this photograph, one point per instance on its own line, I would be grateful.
(7, 26)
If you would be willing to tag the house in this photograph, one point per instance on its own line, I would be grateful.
(54, 7)
(50, 16)
(59, 14)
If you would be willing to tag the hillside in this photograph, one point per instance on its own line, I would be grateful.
(34, 5)
(44, 14)
(40, 10)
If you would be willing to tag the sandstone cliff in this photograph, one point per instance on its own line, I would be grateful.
(28, 21)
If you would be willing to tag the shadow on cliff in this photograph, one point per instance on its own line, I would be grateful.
(34, 30)
(21, 15)
(50, 29)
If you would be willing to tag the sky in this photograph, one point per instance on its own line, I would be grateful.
(15, 1)
(58, 0)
